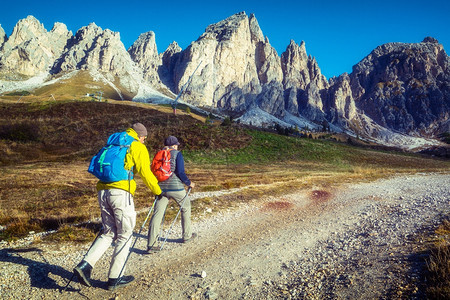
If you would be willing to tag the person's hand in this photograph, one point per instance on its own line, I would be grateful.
(192, 185)
(158, 197)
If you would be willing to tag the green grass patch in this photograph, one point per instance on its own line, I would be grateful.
(266, 147)
(19, 93)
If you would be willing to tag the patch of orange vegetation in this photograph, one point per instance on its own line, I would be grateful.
(319, 196)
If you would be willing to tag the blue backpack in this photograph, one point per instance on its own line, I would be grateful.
(108, 164)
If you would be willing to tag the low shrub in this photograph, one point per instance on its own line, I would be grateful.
(20, 132)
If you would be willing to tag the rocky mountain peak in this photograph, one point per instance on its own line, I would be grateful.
(170, 56)
(234, 27)
(172, 49)
(60, 29)
(225, 29)
(99, 42)
(295, 59)
(144, 49)
(227, 52)
(430, 39)
(101, 52)
(241, 70)
(255, 30)
(30, 49)
(25, 30)
(87, 33)
(3, 37)
(144, 46)
(169, 59)
(294, 64)
(145, 54)
(404, 87)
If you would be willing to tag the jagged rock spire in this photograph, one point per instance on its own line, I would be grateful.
(3, 37)
(30, 49)
(106, 56)
(145, 54)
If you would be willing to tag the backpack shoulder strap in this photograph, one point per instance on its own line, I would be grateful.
(120, 139)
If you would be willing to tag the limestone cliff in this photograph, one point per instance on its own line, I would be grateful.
(145, 54)
(31, 49)
(3, 37)
(239, 69)
(303, 81)
(100, 51)
(226, 52)
(403, 87)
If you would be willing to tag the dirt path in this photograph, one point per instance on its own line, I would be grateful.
(332, 243)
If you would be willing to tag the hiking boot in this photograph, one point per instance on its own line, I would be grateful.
(114, 283)
(153, 249)
(193, 236)
(83, 271)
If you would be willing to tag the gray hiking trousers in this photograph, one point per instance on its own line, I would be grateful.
(160, 208)
(118, 219)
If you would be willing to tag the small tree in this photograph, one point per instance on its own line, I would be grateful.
(227, 121)
(325, 126)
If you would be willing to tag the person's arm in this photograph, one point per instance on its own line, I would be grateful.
(179, 170)
(142, 166)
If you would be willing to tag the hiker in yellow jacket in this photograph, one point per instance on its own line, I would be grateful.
(118, 213)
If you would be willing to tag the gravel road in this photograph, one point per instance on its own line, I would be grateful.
(354, 241)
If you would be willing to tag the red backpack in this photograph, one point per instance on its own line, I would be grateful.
(161, 165)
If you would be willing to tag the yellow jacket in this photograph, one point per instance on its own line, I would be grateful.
(138, 158)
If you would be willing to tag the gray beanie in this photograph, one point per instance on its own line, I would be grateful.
(140, 129)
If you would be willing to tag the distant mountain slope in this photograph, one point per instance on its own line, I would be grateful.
(404, 87)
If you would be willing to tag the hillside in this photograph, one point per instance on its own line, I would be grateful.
(46, 146)
(71, 130)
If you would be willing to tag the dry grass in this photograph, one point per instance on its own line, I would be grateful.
(77, 234)
(438, 263)
(45, 196)
(48, 195)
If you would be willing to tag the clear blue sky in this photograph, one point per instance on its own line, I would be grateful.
(337, 33)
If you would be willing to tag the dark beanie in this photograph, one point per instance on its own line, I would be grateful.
(140, 129)
(170, 141)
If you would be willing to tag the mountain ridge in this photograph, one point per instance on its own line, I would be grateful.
(398, 89)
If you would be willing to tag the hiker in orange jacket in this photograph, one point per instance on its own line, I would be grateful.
(118, 213)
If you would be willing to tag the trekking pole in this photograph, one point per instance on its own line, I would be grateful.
(71, 278)
(170, 229)
(135, 240)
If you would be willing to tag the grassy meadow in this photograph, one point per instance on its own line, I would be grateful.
(45, 148)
